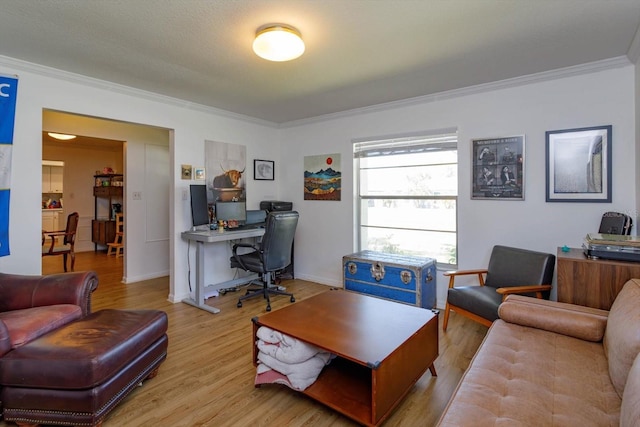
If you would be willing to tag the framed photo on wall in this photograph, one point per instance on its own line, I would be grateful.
(198, 173)
(263, 169)
(578, 165)
(498, 168)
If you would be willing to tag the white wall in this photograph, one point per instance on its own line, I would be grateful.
(636, 177)
(598, 98)
(325, 232)
(41, 88)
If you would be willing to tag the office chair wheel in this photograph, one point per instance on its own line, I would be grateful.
(293, 299)
(268, 308)
(239, 304)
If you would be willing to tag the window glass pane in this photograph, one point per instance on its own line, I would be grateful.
(409, 213)
(407, 194)
(410, 181)
(432, 244)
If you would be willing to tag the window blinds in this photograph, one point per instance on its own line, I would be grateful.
(442, 140)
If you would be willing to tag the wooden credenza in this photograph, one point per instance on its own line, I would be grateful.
(591, 282)
(103, 231)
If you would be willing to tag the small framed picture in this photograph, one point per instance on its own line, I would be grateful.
(263, 170)
(198, 173)
(578, 165)
(498, 168)
(185, 171)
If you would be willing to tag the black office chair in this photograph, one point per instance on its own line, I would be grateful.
(510, 271)
(271, 254)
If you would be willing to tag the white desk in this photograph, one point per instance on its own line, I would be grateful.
(213, 236)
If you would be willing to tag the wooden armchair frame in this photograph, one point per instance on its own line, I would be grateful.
(510, 271)
(538, 289)
(68, 236)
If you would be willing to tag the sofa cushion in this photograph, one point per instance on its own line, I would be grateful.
(30, 323)
(630, 410)
(481, 300)
(523, 376)
(576, 321)
(622, 336)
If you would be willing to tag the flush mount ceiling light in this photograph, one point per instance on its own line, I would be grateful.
(61, 136)
(278, 42)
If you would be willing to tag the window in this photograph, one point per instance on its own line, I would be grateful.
(407, 191)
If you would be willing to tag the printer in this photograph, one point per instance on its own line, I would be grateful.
(275, 205)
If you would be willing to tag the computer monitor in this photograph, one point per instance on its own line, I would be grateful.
(199, 206)
(231, 211)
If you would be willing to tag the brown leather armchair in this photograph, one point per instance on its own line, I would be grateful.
(510, 271)
(31, 306)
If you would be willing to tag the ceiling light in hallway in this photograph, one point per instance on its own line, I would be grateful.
(61, 136)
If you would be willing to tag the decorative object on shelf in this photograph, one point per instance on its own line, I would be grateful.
(322, 177)
(498, 168)
(578, 166)
(263, 170)
(185, 171)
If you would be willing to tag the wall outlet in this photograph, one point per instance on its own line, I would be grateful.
(136, 195)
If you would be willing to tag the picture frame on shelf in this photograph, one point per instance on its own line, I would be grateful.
(263, 170)
(498, 168)
(578, 164)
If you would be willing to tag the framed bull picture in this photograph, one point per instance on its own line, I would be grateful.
(225, 165)
(263, 170)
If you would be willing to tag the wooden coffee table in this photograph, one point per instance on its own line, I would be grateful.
(382, 349)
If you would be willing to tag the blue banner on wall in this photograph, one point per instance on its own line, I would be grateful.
(8, 92)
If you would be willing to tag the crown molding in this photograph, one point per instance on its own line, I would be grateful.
(55, 73)
(591, 67)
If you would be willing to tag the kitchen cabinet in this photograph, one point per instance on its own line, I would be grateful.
(50, 220)
(52, 179)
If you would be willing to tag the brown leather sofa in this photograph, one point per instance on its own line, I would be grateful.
(62, 364)
(31, 306)
(545, 363)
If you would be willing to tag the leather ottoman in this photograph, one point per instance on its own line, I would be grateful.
(76, 374)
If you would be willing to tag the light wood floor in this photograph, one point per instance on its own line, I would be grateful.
(207, 379)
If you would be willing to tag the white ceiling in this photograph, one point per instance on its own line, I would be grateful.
(358, 52)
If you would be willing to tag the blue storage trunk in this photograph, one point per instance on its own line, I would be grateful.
(401, 278)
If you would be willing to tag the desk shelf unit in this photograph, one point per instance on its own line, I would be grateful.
(111, 188)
